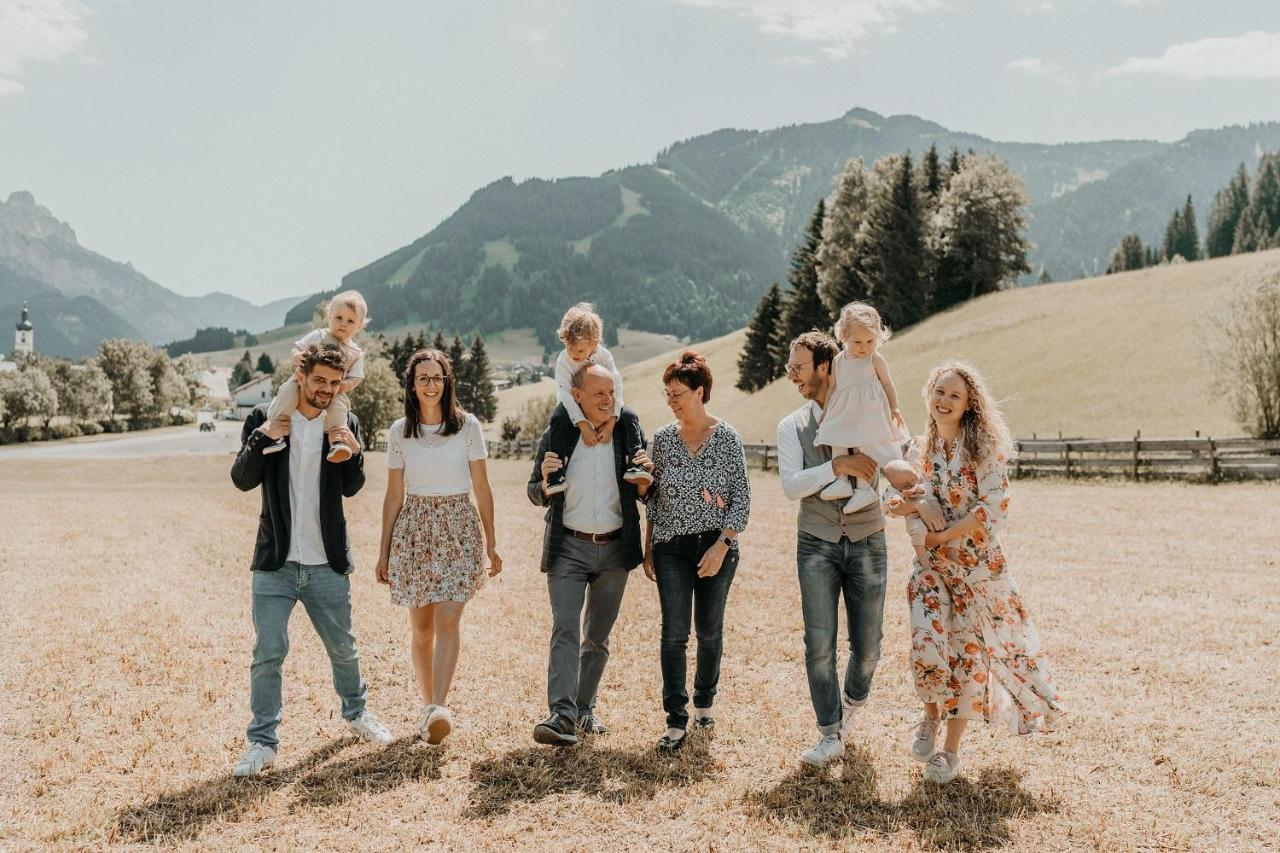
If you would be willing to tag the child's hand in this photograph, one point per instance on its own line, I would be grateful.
(588, 433)
(605, 434)
(916, 491)
(898, 419)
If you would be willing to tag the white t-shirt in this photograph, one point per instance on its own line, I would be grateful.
(566, 367)
(435, 466)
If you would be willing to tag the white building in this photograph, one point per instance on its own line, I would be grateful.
(252, 393)
(24, 339)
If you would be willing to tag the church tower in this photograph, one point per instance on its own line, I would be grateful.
(24, 340)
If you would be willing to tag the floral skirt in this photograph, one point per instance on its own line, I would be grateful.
(974, 650)
(437, 552)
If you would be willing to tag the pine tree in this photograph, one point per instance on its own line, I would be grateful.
(1259, 226)
(932, 175)
(1228, 205)
(1189, 240)
(1129, 255)
(839, 257)
(804, 310)
(265, 364)
(438, 343)
(953, 165)
(1173, 235)
(893, 241)
(484, 402)
(461, 378)
(242, 372)
(758, 363)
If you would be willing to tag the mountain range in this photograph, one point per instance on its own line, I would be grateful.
(687, 243)
(78, 297)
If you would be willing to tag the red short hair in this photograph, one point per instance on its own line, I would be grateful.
(692, 371)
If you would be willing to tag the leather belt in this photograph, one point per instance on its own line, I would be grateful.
(595, 538)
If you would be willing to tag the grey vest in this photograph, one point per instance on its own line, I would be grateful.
(824, 519)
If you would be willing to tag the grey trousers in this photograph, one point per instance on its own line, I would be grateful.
(594, 574)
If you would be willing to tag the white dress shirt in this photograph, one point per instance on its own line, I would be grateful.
(306, 455)
(592, 503)
(798, 481)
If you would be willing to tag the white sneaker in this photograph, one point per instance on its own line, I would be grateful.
(339, 452)
(367, 726)
(863, 497)
(637, 476)
(828, 749)
(926, 738)
(438, 724)
(943, 767)
(257, 757)
(839, 489)
(275, 447)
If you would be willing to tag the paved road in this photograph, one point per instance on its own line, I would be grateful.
(171, 441)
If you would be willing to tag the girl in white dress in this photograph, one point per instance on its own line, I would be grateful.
(862, 409)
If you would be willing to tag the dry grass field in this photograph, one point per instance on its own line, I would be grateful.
(1100, 357)
(127, 608)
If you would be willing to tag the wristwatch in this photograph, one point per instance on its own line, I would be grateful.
(727, 540)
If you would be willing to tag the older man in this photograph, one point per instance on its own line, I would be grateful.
(591, 544)
(836, 554)
(301, 552)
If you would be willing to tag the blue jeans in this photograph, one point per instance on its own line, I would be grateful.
(828, 570)
(680, 591)
(326, 595)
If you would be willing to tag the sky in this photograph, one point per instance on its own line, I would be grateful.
(265, 149)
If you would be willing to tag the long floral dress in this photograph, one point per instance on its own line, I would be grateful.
(974, 651)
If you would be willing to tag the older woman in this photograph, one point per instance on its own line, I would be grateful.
(431, 552)
(974, 652)
(698, 504)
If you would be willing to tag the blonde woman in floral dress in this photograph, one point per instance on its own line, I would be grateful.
(974, 653)
(432, 555)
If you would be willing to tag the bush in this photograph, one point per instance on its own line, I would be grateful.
(114, 425)
(510, 429)
(534, 416)
(57, 431)
(90, 428)
(1247, 358)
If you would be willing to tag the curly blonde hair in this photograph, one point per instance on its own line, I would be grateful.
(581, 323)
(983, 431)
(353, 300)
(864, 314)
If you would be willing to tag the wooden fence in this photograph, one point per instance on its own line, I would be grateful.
(1198, 459)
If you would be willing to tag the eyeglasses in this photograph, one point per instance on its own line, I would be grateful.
(794, 369)
(676, 396)
(430, 380)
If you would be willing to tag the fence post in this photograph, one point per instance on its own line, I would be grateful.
(1066, 456)
(1135, 454)
(1017, 462)
(1215, 472)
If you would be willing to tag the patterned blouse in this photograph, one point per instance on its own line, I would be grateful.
(693, 494)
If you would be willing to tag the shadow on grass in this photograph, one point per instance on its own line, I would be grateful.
(963, 815)
(612, 775)
(182, 815)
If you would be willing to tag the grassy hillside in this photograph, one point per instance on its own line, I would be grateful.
(1096, 357)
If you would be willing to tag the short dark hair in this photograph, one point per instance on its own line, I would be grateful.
(691, 370)
(822, 345)
(326, 354)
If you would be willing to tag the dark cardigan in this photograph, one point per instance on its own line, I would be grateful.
(337, 481)
(561, 432)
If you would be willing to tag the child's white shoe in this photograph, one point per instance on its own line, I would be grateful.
(338, 452)
(275, 446)
(837, 490)
(863, 497)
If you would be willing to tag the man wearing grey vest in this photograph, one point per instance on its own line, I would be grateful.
(836, 554)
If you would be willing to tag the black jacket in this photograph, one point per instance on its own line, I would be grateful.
(337, 481)
(563, 433)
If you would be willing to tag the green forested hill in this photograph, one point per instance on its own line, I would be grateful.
(686, 245)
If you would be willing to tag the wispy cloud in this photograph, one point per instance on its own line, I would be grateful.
(36, 30)
(835, 27)
(1030, 66)
(1252, 56)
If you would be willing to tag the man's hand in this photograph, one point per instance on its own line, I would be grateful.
(858, 465)
(550, 464)
(344, 436)
(589, 437)
(275, 430)
(604, 434)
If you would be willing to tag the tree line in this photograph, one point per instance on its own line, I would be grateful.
(912, 240)
(473, 377)
(1245, 217)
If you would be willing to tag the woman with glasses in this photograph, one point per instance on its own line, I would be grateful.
(697, 506)
(432, 555)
